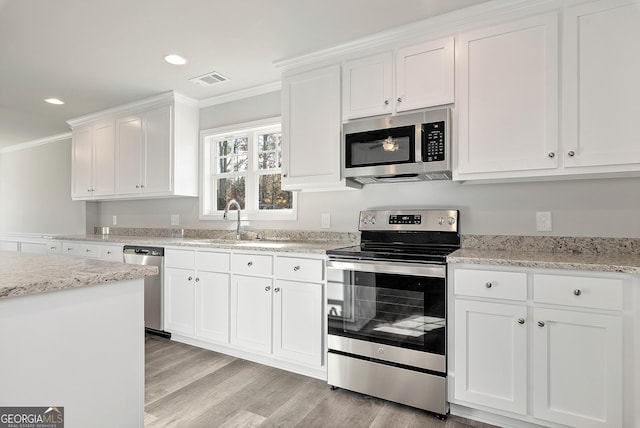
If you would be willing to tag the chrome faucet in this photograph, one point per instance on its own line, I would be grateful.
(226, 215)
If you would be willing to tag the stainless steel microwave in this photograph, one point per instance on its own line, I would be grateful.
(408, 147)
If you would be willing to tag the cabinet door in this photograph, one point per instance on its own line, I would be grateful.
(179, 301)
(367, 86)
(311, 130)
(491, 355)
(104, 166)
(251, 313)
(601, 85)
(129, 136)
(297, 322)
(157, 161)
(212, 306)
(425, 75)
(82, 162)
(577, 368)
(508, 97)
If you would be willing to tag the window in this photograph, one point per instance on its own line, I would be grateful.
(243, 162)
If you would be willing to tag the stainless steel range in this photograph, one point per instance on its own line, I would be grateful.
(386, 305)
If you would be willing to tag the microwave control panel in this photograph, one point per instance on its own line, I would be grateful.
(433, 142)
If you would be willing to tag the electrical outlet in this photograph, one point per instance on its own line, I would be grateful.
(543, 221)
(115, 220)
(326, 220)
(175, 220)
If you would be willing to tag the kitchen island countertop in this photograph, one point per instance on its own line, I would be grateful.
(608, 262)
(23, 274)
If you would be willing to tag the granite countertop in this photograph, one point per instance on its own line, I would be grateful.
(607, 262)
(23, 274)
(282, 245)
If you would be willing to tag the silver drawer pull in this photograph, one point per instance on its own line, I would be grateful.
(488, 285)
(267, 288)
(296, 268)
(577, 292)
(276, 289)
(540, 323)
(190, 278)
(520, 320)
(250, 264)
(197, 279)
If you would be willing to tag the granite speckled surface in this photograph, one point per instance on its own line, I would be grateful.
(253, 240)
(23, 274)
(574, 253)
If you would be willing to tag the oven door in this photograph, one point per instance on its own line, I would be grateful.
(398, 304)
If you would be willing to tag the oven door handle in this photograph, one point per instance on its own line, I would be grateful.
(435, 271)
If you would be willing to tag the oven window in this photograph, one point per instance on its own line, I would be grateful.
(400, 310)
(389, 146)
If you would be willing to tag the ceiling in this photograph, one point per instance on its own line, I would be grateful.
(97, 54)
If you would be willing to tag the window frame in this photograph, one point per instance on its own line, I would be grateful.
(208, 178)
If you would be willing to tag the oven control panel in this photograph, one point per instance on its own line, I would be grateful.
(419, 220)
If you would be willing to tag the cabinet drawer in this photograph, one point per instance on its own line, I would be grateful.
(253, 264)
(213, 261)
(492, 284)
(299, 269)
(184, 259)
(599, 293)
(111, 252)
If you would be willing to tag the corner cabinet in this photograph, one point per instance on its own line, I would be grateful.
(143, 149)
(311, 131)
(413, 77)
(564, 328)
(508, 103)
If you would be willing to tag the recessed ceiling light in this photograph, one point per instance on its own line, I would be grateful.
(55, 101)
(175, 59)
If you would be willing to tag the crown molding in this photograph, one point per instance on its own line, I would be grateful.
(241, 94)
(35, 143)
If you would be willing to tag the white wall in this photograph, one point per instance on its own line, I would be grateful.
(35, 191)
(603, 207)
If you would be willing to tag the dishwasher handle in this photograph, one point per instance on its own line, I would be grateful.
(143, 251)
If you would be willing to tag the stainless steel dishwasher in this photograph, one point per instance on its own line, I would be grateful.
(153, 285)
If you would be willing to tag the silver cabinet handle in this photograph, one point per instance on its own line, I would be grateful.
(399, 99)
(296, 268)
(52, 248)
(276, 289)
(197, 279)
(250, 264)
(69, 249)
(284, 174)
(577, 292)
(540, 323)
(571, 153)
(108, 252)
(520, 320)
(267, 288)
(386, 102)
(137, 186)
(190, 278)
(552, 155)
(488, 285)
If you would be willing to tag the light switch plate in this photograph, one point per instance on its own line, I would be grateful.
(326, 220)
(175, 219)
(543, 221)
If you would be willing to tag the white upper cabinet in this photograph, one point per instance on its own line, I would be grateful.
(311, 130)
(367, 86)
(93, 160)
(508, 98)
(425, 75)
(417, 76)
(143, 149)
(601, 86)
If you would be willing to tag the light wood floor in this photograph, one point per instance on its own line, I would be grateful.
(191, 387)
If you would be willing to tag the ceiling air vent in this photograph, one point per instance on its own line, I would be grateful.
(209, 79)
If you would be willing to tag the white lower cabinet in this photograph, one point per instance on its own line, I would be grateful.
(260, 306)
(197, 294)
(554, 356)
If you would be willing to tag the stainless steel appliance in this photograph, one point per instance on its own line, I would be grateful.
(386, 307)
(153, 286)
(409, 147)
